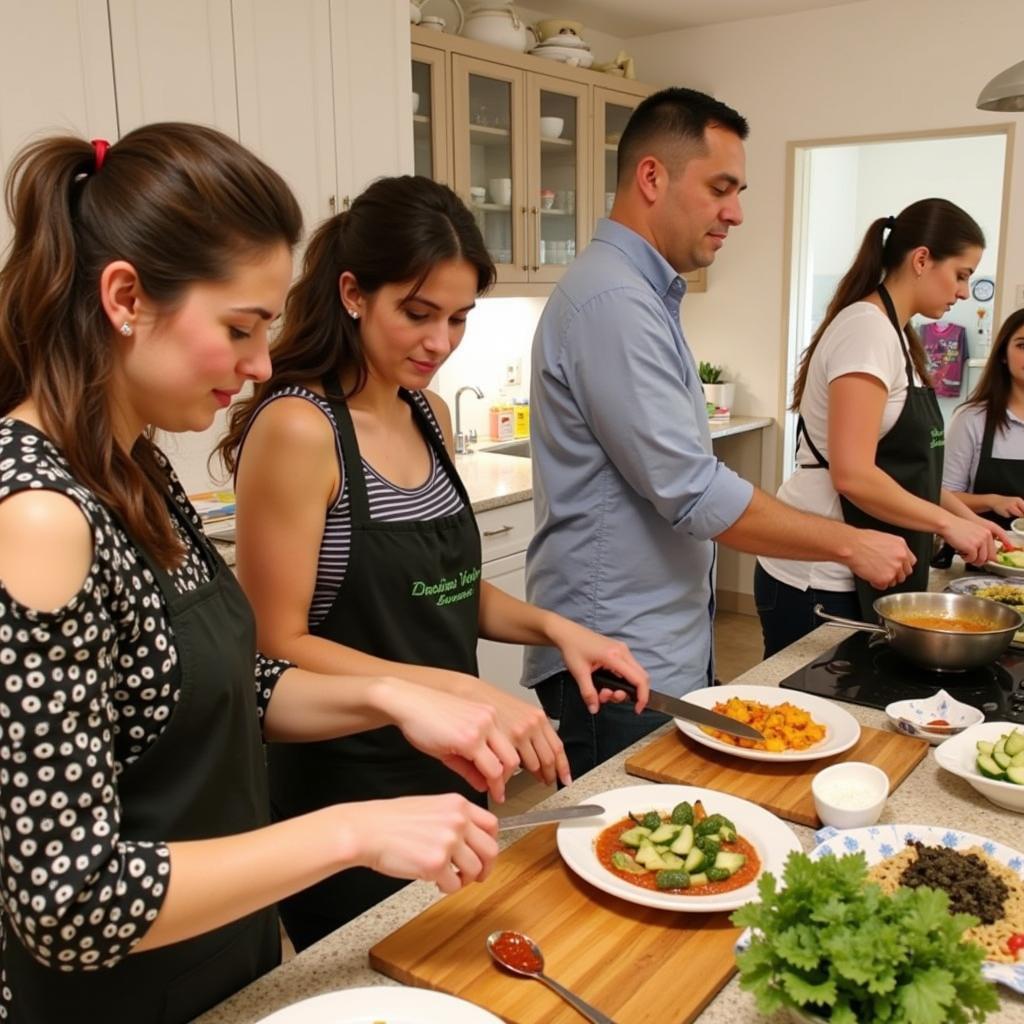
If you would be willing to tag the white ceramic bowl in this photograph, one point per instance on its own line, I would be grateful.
(551, 127)
(913, 716)
(565, 54)
(840, 813)
(960, 754)
(1017, 527)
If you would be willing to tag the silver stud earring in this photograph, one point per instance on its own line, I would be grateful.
(354, 313)
(126, 329)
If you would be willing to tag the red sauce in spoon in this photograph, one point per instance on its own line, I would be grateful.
(514, 951)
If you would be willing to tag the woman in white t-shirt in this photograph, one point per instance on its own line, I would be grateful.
(984, 464)
(870, 433)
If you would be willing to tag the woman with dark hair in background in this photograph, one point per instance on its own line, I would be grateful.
(137, 861)
(870, 434)
(985, 444)
(357, 545)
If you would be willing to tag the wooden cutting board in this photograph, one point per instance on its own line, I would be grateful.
(782, 787)
(636, 964)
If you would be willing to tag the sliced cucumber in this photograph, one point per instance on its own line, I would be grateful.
(694, 860)
(1014, 743)
(665, 833)
(671, 862)
(650, 858)
(699, 879)
(1001, 758)
(684, 841)
(727, 833)
(984, 747)
(624, 862)
(1015, 775)
(1018, 760)
(730, 862)
(632, 836)
(988, 767)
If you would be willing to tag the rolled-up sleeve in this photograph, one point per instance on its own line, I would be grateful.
(633, 385)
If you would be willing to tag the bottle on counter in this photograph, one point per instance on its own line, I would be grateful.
(502, 418)
(522, 417)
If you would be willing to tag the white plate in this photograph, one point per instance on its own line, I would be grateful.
(959, 755)
(770, 836)
(394, 1005)
(1004, 570)
(842, 730)
(881, 841)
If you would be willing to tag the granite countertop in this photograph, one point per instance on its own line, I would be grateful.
(928, 796)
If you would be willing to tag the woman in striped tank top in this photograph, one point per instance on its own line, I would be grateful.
(357, 545)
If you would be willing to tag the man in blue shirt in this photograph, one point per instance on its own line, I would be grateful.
(629, 498)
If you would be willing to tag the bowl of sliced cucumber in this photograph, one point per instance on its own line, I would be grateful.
(989, 756)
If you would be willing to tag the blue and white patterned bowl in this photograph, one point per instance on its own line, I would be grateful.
(881, 841)
(912, 716)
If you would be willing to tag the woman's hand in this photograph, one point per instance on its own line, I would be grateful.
(465, 735)
(443, 839)
(974, 539)
(584, 650)
(527, 727)
(1008, 507)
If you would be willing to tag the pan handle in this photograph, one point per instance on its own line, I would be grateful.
(838, 620)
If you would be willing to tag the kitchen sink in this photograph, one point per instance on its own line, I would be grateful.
(520, 448)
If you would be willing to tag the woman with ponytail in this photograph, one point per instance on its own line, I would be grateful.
(138, 862)
(870, 433)
(357, 545)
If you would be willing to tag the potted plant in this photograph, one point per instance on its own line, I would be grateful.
(717, 392)
(831, 946)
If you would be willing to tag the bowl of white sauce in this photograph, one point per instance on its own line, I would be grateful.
(850, 794)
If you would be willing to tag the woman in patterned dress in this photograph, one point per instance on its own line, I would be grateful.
(137, 859)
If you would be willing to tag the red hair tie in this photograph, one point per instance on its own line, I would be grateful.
(100, 147)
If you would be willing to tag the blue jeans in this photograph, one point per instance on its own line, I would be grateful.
(787, 614)
(590, 739)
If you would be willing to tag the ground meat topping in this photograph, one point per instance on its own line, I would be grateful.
(972, 889)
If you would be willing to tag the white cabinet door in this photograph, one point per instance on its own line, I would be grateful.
(502, 664)
(55, 75)
(285, 103)
(174, 62)
(372, 92)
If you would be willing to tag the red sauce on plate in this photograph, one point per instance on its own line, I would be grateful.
(939, 723)
(608, 843)
(513, 950)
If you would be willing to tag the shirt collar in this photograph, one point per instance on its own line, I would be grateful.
(655, 268)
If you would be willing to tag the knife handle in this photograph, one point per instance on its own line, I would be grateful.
(604, 679)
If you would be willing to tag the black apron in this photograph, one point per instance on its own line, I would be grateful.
(204, 777)
(911, 453)
(997, 476)
(411, 594)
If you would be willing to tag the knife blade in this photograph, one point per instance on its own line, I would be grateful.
(551, 814)
(687, 711)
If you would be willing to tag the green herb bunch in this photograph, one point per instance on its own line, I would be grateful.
(709, 374)
(833, 944)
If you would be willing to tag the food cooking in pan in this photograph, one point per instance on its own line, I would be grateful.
(685, 851)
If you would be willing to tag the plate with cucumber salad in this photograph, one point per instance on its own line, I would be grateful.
(678, 848)
(990, 756)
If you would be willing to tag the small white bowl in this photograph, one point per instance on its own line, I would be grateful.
(912, 717)
(960, 755)
(846, 810)
(551, 127)
(1017, 528)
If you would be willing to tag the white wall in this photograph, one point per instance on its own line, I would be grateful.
(860, 69)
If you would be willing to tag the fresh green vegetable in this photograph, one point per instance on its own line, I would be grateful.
(682, 814)
(710, 845)
(1004, 759)
(667, 832)
(672, 879)
(683, 843)
(632, 836)
(835, 945)
(651, 820)
(624, 862)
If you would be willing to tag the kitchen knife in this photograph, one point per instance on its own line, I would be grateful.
(551, 814)
(683, 709)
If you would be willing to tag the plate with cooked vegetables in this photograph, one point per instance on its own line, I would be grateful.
(994, 588)
(677, 848)
(795, 726)
(382, 1004)
(981, 877)
(1008, 561)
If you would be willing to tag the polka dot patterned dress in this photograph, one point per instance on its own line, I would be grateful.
(84, 691)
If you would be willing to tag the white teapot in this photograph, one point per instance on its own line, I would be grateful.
(498, 24)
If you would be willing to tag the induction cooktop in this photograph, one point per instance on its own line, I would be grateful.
(863, 669)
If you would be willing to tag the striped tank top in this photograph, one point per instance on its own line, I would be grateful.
(435, 498)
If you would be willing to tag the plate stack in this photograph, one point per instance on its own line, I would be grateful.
(567, 47)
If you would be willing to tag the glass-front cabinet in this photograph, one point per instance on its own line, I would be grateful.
(558, 122)
(611, 112)
(429, 120)
(490, 159)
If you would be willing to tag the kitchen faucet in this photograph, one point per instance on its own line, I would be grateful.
(461, 447)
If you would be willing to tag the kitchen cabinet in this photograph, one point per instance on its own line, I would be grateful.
(505, 533)
(523, 154)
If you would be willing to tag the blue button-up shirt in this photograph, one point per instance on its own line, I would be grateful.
(627, 491)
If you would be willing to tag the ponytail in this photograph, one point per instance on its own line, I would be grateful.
(936, 224)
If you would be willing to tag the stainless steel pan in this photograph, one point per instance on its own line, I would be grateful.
(937, 649)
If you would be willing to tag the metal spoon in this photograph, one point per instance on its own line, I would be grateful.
(588, 1011)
